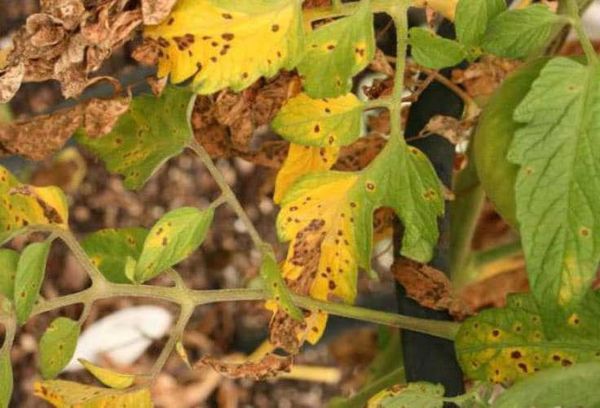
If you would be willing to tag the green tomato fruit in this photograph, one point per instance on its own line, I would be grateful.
(494, 135)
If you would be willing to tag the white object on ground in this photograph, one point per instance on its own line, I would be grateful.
(122, 337)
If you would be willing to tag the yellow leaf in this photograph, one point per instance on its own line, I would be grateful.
(68, 394)
(302, 160)
(320, 122)
(22, 205)
(228, 43)
(108, 377)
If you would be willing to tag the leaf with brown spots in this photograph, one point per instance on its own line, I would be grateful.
(22, 205)
(57, 346)
(155, 11)
(68, 394)
(328, 219)
(228, 43)
(336, 52)
(507, 344)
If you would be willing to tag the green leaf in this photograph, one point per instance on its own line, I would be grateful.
(558, 149)
(521, 33)
(152, 131)
(108, 249)
(320, 122)
(6, 378)
(432, 51)
(277, 288)
(472, 18)
(31, 269)
(22, 205)
(108, 377)
(172, 239)
(507, 344)
(414, 395)
(57, 346)
(336, 52)
(8, 272)
(575, 386)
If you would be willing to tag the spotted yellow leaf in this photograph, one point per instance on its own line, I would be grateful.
(320, 122)
(336, 52)
(22, 205)
(302, 160)
(227, 43)
(68, 394)
(108, 377)
(327, 217)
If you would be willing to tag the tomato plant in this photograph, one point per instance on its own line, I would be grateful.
(534, 152)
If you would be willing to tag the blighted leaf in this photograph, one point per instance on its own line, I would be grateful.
(575, 386)
(300, 161)
(108, 250)
(8, 272)
(320, 122)
(68, 394)
(22, 205)
(336, 52)
(225, 43)
(31, 269)
(6, 378)
(155, 11)
(472, 18)
(275, 286)
(152, 131)
(172, 239)
(328, 219)
(269, 366)
(10, 81)
(432, 51)
(414, 395)
(507, 344)
(521, 32)
(556, 209)
(57, 346)
(108, 377)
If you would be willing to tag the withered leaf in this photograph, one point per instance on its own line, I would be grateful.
(269, 366)
(155, 11)
(101, 115)
(10, 82)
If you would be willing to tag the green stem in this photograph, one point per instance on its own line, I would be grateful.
(586, 44)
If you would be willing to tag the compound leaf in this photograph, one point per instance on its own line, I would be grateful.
(108, 377)
(172, 239)
(68, 394)
(31, 269)
(472, 18)
(22, 205)
(336, 52)
(8, 271)
(432, 51)
(320, 122)
(522, 32)
(575, 386)
(558, 150)
(152, 131)
(415, 395)
(508, 344)
(225, 43)
(57, 346)
(6, 378)
(108, 250)
(302, 160)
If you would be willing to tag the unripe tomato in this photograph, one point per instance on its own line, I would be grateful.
(494, 135)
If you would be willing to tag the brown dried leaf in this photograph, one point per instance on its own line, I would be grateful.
(481, 78)
(101, 115)
(68, 12)
(10, 82)
(428, 286)
(44, 30)
(381, 64)
(267, 367)
(155, 11)
(147, 52)
(452, 129)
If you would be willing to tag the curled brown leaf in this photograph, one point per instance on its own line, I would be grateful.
(267, 367)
